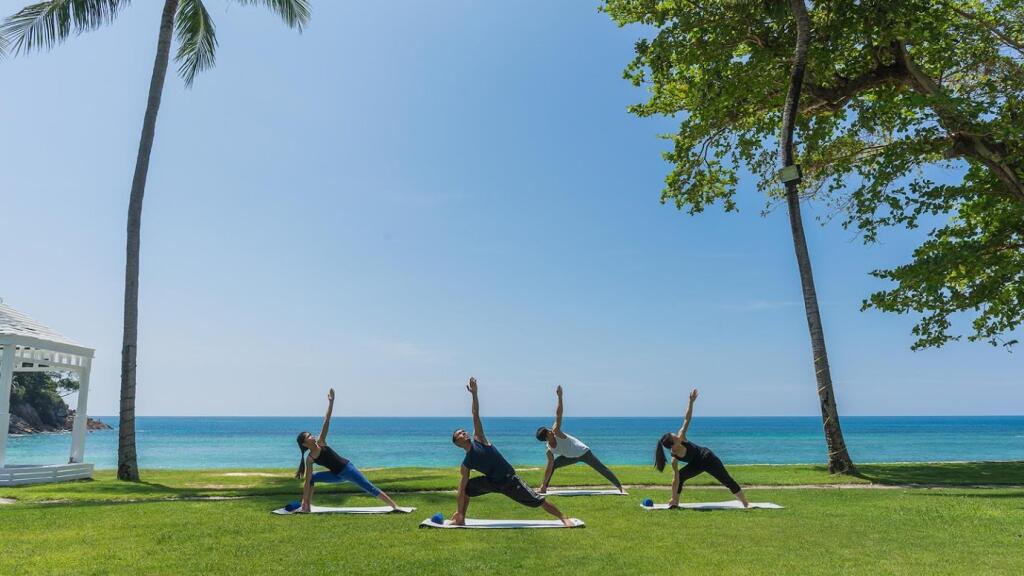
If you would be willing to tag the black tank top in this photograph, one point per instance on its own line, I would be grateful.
(330, 459)
(694, 453)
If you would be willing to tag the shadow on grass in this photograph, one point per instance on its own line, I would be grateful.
(944, 474)
(114, 492)
(263, 502)
(984, 495)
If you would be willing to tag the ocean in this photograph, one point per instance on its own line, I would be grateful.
(269, 442)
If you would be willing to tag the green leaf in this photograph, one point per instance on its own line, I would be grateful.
(197, 39)
(295, 13)
(43, 25)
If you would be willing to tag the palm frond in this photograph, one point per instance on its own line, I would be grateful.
(295, 13)
(43, 25)
(197, 39)
(3, 47)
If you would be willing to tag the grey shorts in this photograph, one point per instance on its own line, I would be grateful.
(513, 487)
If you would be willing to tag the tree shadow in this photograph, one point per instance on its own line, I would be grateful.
(983, 495)
(944, 474)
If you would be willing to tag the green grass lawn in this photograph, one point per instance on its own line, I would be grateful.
(110, 527)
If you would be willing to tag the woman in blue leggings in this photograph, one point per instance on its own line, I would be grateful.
(339, 469)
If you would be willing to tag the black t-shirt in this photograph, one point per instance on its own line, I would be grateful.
(330, 459)
(486, 459)
(694, 453)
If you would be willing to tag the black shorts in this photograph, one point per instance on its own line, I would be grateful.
(513, 487)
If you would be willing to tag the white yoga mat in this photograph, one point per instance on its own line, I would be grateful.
(351, 510)
(730, 505)
(581, 492)
(474, 523)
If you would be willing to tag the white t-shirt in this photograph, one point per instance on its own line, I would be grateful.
(569, 447)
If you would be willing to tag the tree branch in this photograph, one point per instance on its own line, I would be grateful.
(834, 98)
(995, 30)
(966, 143)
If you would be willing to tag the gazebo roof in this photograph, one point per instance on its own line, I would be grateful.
(18, 329)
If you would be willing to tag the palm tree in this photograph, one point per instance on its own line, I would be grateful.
(42, 26)
(839, 460)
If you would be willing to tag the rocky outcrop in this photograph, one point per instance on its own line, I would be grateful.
(27, 420)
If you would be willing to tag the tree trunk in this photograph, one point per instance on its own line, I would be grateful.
(838, 458)
(127, 464)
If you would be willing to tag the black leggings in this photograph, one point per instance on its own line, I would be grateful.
(713, 466)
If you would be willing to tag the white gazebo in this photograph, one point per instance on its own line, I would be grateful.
(28, 346)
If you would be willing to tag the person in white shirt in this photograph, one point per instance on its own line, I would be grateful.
(564, 450)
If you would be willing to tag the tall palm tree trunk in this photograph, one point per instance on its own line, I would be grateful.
(838, 457)
(127, 464)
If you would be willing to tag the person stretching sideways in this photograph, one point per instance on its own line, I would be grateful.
(498, 474)
(569, 450)
(339, 469)
(697, 458)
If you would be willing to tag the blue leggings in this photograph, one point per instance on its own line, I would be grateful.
(348, 474)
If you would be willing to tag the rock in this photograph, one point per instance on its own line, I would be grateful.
(19, 425)
(91, 424)
(22, 425)
(28, 414)
(98, 425)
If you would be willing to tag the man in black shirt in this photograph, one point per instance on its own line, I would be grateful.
(498, 474)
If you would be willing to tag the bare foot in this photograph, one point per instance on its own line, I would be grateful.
(568, 523)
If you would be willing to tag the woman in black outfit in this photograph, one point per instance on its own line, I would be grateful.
(697, 459)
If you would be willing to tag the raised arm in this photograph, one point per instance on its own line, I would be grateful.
(322, 440)
(478, 426)
(557, 428)
(689, 415)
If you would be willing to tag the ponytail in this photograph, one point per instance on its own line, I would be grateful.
(659, 451)
(302, 463)
(302, 456)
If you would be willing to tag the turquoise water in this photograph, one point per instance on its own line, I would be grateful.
(269, 442)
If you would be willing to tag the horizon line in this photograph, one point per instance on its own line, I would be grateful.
(114, 416)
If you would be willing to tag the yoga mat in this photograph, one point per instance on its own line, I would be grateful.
(730, 505)
(474, 523)
(568, 492)
(353, 510)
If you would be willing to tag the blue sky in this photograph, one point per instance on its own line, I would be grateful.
(409, 193)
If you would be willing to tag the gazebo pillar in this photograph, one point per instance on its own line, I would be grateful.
(81, 425)
(6, 380)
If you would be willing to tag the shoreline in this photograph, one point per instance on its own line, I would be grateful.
(536, 467)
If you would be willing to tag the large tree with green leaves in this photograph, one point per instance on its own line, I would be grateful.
(42, 26)
(839, 460)
(895, 93)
